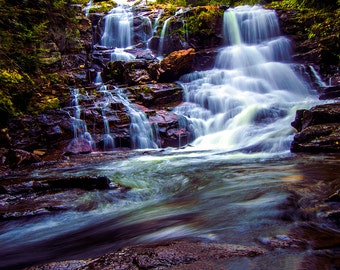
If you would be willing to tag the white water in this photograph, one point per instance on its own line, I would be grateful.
(118, 28)
(141, 132)
(80, 131)
(120, 55)
(249, 99)
(162, 37)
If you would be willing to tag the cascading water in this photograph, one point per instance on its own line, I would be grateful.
(118, 31)
(249, 99)
(80, 133)
(246, 101)
(163, 36)
(141, 132)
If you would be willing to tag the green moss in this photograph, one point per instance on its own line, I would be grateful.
(319, 22)
(203, 19)
(47, 102)
(102, 6)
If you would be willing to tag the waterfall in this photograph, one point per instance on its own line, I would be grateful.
(98, 80)
(142, 134)
(162, 37)
(249, 99)
(120, 55)
(118, 28)
(81, 137)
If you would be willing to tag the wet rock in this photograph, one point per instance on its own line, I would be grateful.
(18, 157)
(335, 197)
(20, 197)
(317, 236)
(318, 129)
(158, 95)
(331, 92)
(85, 182)
(176, 64)
(282, 242)
(79, 146)
(169, 255)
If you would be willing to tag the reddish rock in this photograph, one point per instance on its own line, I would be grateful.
(176, 64)
(79, 146)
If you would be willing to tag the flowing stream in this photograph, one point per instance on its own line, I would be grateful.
(232, 198)
(237, 183)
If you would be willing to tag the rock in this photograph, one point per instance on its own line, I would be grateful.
(169, 255)
(321, 114)
(79, 146)
(331, 92)
(282, 242)
(318, 129)
(21, 197)
(335, 197)
(158, 95)
(18, 157)
(84, 182)
(176, 64)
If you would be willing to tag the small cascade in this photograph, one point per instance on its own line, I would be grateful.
(120, 55)
(82, 139)
(118, 28)
(163, 37)
(145, 29)
(105, 103)
(142, 133)
(98, 80)
(249, 99)
(154, 27)
(317, 78)
(109, 144)
(87, 8)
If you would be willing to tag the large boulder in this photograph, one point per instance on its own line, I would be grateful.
(176, 64)
(318, 129)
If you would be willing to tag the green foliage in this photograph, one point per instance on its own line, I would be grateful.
(204, 19)
(102, 6)
(194, 3)
(319, 22)
(25, 26)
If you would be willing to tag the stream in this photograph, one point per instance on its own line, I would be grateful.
(233, 198)
(237, 182)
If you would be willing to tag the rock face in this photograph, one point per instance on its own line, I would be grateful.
(319, 129)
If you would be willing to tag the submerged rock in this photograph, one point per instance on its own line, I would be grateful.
(21, 198)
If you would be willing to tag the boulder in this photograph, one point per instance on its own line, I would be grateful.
(318, 129)
(183, 254)
(17, 157)
(176, 64)
(79, 146)
(330, 92)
